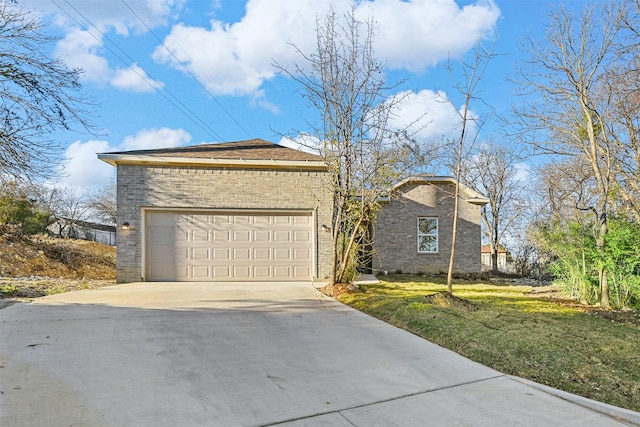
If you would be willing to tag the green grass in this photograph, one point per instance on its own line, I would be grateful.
(518, 334)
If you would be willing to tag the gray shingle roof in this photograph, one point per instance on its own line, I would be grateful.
(253, 149)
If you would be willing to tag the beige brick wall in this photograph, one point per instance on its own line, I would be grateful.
(396, 236)
(142, 186)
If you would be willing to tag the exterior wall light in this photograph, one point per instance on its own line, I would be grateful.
(325, 228)
(126, 226)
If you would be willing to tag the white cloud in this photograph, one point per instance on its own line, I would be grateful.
(155, 138)
(235, 59)
(84, 172)
(83, 49)
(80, 49)
(523, 173)
(417, 34)
(108, 15)
(82, 169)
(135, 79)
(426, 115)
(302, 142)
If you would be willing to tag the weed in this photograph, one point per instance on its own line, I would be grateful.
(9, 290)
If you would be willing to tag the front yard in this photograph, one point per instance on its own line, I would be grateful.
(531, 332)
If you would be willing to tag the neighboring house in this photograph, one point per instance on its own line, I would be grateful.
(487, 260)
(84, 230)
(413, 230)
(254, 210)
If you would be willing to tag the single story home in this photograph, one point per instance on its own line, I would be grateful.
(253, 210)
(412, 231)
(487, 260)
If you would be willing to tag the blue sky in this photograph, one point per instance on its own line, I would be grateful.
(181, 72)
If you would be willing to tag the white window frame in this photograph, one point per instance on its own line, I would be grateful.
(436, 234)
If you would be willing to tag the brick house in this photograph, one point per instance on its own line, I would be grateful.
(254, 210)
(412, 231)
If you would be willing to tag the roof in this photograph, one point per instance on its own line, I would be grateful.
(486, 249)
(467, 194)
(250, 153)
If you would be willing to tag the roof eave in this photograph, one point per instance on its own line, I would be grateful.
(120, 159)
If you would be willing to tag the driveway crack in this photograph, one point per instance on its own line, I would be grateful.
(392, 399)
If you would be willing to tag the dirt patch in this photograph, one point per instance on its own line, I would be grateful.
(629, 317)
(445, 299)
(35, 266)
(43, 256)
(554, 293)
(338, 289)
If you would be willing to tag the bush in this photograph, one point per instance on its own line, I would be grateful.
(20, 208)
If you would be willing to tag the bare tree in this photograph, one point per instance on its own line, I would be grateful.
(470, 125)
(37, 97)
(492, 171)
(568, 117)
(68, 207)
(622, 88)
(344, 82)
(103, 203)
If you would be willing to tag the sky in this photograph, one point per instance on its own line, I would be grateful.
(165, 73)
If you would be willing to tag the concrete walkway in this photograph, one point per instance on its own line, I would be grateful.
(202, 354)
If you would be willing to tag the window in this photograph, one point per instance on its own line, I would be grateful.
(427, 235)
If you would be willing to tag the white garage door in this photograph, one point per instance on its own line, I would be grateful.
(228, 246)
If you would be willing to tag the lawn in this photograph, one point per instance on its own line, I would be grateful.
(518, 330)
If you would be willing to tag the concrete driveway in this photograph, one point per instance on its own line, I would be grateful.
(202, 354)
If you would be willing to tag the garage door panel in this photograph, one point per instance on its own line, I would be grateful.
(226, 246)
(301, 254)
(241, 271)
(200, 253)
(262, 220)
(281, 254)
(261, 254)
(161, 253)
(221, 272)
(160, 235)
(241, 235)
(261, 272)
(201, 272)
(241, 219)
(281, 219)
(221, 236)
(302, 220)
(221, 254)
(300, 271)
(281, 272)
(262, 236)
(301, 236)
(199, 235)
(242, 254)
(281, 236)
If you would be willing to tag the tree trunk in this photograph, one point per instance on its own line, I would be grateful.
(604, 288)
(494, 260)
(344, 262)
(454, 236)
(602, 272)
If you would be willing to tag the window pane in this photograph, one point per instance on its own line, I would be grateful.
(427, 244)
(427, 226)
